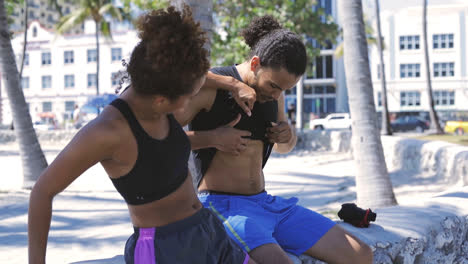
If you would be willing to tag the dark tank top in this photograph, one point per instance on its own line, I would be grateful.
(224, 110)
(161, 166)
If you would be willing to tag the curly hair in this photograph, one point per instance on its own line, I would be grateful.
(170, 56)
(275, 46)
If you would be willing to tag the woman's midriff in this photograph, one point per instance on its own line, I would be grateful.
(240, 174)
(178, 205)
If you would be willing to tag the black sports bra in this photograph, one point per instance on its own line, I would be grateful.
(161, 166)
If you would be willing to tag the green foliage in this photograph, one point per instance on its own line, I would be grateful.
(97, 10)
(144, 5)
(231, 16)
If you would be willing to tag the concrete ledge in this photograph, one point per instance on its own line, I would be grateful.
(53, 136)
(431, 231)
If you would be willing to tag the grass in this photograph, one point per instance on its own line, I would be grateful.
(461, 140)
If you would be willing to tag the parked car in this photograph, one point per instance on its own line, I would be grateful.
(457, 127)
(332, 121)
(409, 123)
(43, 126)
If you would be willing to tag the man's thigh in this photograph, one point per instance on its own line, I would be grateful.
(301, 229)
(339, 246)
(271, 254)
(247, 223)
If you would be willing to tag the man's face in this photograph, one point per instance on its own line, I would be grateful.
(270, 83)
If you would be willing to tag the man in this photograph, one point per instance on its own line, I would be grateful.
(232, 148)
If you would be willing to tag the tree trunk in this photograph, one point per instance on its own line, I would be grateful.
(25, 43)
(97, 57)
(32, 157)
(202, 11)
(435, 126)
(386, 128)
(374, 188)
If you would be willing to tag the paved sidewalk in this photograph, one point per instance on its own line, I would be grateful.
(91, 224)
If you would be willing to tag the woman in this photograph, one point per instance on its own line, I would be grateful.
(145, 153)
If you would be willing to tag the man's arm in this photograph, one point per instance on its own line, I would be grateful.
(225, 138)
(282, 133)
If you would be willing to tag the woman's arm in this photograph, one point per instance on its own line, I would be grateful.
(244, 95)
(95, 142)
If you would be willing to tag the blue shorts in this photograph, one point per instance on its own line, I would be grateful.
(255, 220)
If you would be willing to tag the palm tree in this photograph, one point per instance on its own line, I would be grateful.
(25, 41)
(32, 157)
(386, 128)
(374, 188)
(435, 126)
(97, 10)
(202, 11)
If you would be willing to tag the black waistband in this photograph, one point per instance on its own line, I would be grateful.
(210, 192)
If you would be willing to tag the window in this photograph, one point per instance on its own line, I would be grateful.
(444, 69)
(68, 57)
(69, 106)
(442, 41)
(379, 99)
(116, 54)
(69, 81)
(46, 106)
(444, 97)
(92, 81)
(46, 82)
(26, 59)
(410, 99)
(115, 78)
(409, 42)
(92, 55)
(321, 68)
(46, 58)
(25, 82)
(410, 70)
(34, 31)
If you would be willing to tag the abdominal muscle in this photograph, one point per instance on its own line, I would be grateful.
(178, 205)
(240, 174)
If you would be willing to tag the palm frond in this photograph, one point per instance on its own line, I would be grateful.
(71, 20)
(113, 11)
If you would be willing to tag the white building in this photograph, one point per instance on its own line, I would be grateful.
(60, 71)
(404, 59)
(324, 82)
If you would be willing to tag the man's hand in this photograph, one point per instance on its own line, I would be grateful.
(230, 139)
(245, 96)
(279, 133)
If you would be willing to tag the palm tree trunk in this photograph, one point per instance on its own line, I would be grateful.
(386, 128)
(25, 42)
(97, 57)
(374, 188)
(202, 11)
(435, 126)
(32, 157)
